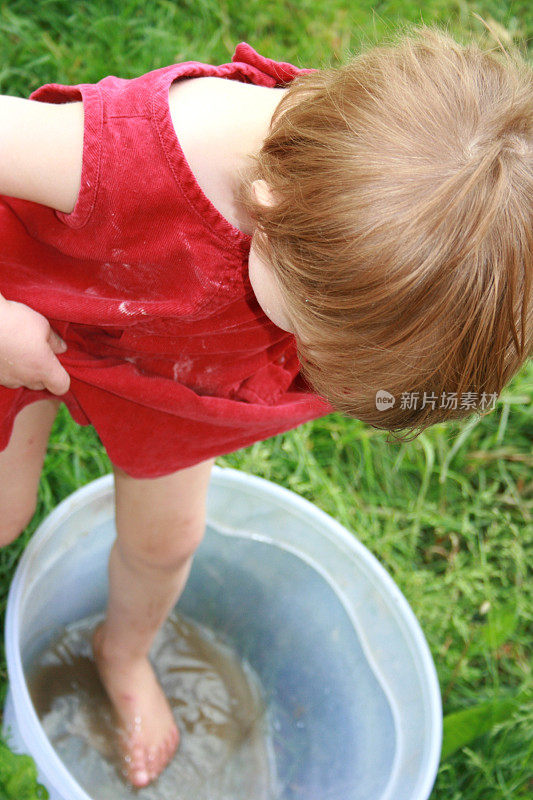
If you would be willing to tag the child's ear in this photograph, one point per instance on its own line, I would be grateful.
(262, 193)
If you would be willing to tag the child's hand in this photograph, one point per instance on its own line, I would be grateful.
(27, 348)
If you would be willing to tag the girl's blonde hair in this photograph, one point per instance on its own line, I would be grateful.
(401, 234)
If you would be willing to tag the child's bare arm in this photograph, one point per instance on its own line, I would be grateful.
(41, 147)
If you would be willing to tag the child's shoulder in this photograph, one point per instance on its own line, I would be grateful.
(205, 114)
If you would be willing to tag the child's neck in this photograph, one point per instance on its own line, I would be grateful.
(221, 123)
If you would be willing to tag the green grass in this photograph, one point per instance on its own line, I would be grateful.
(449, 514)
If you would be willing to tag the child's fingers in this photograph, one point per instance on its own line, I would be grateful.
(56, 342)
(57, 379)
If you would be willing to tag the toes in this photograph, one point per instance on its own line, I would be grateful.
(136, 773)
(135, 766)
(159, 758)
(142, 765)
(153, 764)
(140, 778)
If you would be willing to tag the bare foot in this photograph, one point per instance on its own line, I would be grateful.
(148, 734)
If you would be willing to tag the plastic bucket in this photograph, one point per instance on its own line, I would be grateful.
(349, 682)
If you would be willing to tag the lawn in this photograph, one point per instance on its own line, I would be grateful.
(448, 514)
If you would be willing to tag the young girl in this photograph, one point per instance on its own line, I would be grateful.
(175, 238)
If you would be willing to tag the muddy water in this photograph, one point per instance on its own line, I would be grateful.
(225, 751)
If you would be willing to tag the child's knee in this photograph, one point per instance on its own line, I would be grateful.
(161, 522)
(164, 548)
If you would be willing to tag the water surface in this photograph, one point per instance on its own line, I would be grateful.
(216, 699)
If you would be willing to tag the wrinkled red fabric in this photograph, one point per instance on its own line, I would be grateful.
(170, 357)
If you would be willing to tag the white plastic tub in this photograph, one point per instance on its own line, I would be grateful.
(348, 678)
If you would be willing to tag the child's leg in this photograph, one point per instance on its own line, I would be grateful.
(160, 523)
(21, 464)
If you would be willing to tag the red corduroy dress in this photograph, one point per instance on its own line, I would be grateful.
(170, 357)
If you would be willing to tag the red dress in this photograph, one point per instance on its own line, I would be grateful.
(170, 357)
